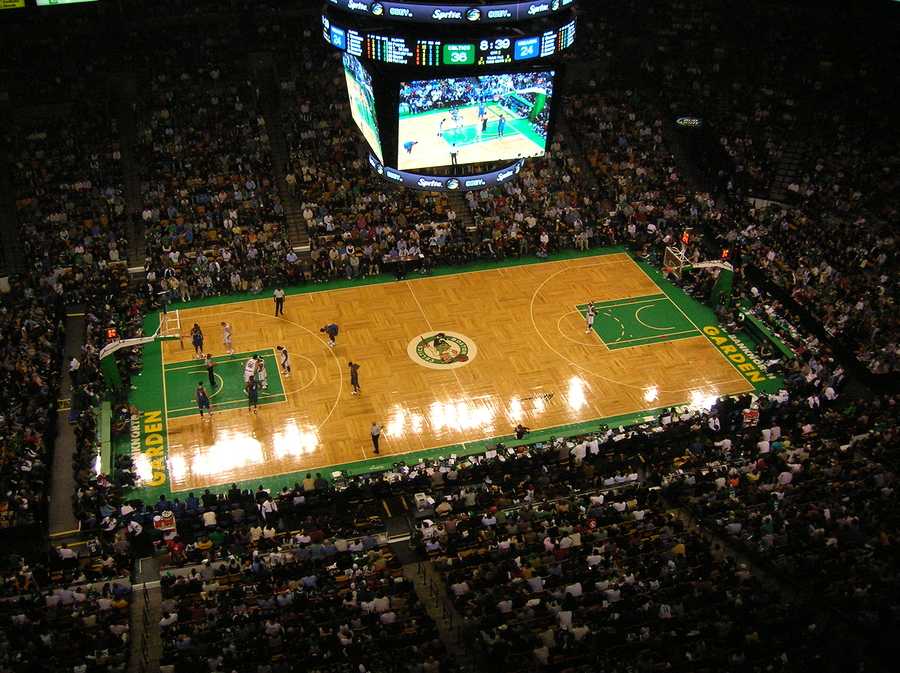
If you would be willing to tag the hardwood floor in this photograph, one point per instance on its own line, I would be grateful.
(515, 350)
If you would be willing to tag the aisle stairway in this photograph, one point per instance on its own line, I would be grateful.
(270, 104)
(463, 213)
(126, 112)
(569, 143)
(61, 518)
(789, 169)
(145, 632)
(11, 260)
(432, 592)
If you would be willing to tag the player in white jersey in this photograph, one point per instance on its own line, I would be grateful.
(262, 376)
(226, 338)
(285, 360)
(249, 370)
(589, 318)
(457, 120)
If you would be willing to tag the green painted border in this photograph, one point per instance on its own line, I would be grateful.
(702, 315)
(380, 463)
(696, 312)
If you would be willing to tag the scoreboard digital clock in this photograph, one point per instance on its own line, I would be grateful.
(442, 51)
(464, 11)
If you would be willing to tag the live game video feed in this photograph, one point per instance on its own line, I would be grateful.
(362, 102)
(465, 120)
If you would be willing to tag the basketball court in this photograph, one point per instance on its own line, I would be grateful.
(447, 362)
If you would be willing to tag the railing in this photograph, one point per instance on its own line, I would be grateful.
(447, 612)
(147, 623)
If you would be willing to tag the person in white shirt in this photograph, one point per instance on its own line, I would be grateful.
(278, 296)
(268, 509)
(285, 360)
(574, 590)
(227, 337)
(459, 589)
(249, 370)
(65, 553)
(579, 452)
(535, 584)
(262, 376)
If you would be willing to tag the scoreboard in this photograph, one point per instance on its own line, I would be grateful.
(435, 86)
(438, 50)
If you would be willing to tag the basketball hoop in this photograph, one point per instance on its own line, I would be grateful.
(674, 262)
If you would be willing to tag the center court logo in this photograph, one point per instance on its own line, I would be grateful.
(442, 350)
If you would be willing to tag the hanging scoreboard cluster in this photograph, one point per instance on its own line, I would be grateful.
(436, 86)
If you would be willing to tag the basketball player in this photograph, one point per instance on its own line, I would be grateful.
(262, 376)
(501, 126)
(589, 317)
(285, 360)
(354, 377)
(441, 125)
(457, 121)
(226, 338)
(197, 340)
(202, 399)
(332, 331)
(249, 370)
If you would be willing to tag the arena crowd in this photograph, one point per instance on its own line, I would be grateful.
(756, 534)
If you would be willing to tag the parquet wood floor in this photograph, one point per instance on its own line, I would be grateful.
(534, 364)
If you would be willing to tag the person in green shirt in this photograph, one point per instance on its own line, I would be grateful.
(217, 537)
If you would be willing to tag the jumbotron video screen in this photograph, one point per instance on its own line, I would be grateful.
(464, 120)
(362, 102)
